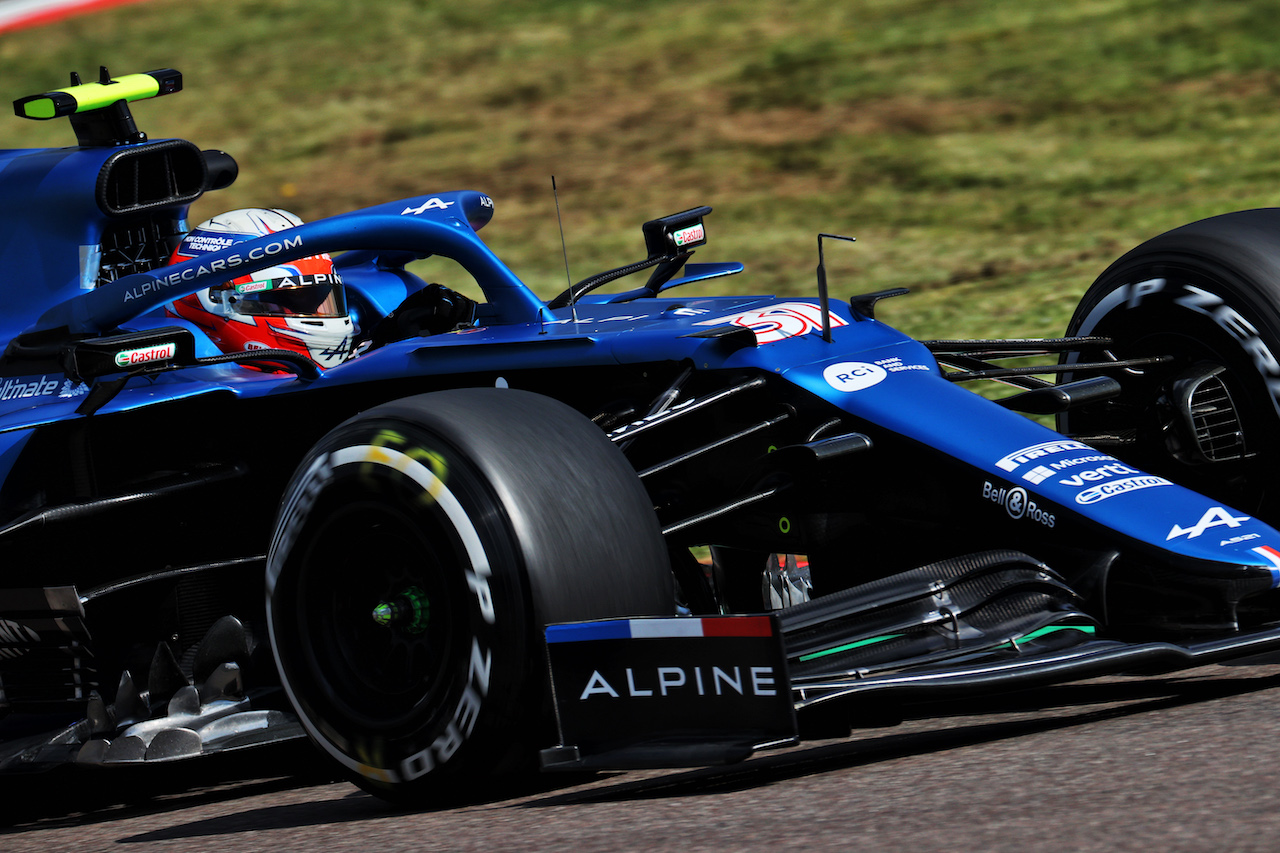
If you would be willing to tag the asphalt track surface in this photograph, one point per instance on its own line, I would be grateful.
(1184, 762)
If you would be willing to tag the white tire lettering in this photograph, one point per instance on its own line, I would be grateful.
(419, 764)
(447, 744)
(481, 662)
(1138, 291)
(1206, 303)
(468, 710)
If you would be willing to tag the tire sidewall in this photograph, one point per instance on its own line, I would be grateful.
(1215, 282)
(1207, 306)
(431, 485)
(1208, 292)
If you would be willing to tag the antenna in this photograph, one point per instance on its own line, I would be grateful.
(573, 308)
(823, 303)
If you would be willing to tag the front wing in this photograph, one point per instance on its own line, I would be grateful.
(693, 691)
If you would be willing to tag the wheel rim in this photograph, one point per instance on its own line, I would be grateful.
(375, 677)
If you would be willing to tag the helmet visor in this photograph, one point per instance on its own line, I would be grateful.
(318, 295)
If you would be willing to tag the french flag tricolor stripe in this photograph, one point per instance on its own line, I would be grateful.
(634, 629)
(1272, 556)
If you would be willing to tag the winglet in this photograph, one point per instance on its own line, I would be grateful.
(84, 97)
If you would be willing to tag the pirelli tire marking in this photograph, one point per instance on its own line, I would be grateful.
(1203, 300)
(463, 718)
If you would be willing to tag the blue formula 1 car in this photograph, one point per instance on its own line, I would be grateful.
(478, 542)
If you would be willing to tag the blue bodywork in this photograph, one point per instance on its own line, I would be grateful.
(47, 254)
(139, 502)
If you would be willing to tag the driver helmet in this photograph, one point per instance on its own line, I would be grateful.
(300, 305)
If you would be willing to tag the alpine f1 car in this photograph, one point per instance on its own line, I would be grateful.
(478, 545)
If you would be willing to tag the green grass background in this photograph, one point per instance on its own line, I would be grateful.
(992, 155)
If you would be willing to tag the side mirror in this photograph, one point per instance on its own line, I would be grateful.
(677, 233)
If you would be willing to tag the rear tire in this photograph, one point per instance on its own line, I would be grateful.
(421, 548)
(1207, 294)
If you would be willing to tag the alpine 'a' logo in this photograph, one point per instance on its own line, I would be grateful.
(1214, 517)
(429, 204)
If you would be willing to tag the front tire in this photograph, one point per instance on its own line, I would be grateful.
(421, 548)
(1207, 295)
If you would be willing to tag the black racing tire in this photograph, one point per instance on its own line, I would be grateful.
(477, 516)
(1208, 295)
